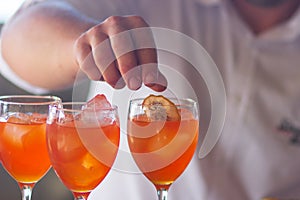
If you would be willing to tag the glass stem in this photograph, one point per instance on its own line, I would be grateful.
(26, 192)
(81, 196)
(162, 194)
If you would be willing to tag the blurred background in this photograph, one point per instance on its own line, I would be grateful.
(50, 187)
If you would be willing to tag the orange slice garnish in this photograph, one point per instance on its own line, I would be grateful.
(160, 108)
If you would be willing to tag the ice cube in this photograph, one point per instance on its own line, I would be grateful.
(87, 117)
(96, 112)
(96, 117)
(186, 114)
(37, 118)
(19, 118)
(16, 128)
(98, 102)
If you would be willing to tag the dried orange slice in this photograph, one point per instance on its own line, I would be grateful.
(160, 108)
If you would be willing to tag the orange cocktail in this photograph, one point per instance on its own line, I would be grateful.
(162, 137)
(23, 146)
(75, 165)
(23, 149)
(83, 141)
(164, 155)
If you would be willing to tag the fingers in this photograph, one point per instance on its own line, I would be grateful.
(120, 51)
(86, 61)
(146, 54)
(124, 50)
(96, 59)
(105, 59)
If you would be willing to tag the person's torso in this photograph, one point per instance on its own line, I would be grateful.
(252, 158)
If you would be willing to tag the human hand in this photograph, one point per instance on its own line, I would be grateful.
(120, 51)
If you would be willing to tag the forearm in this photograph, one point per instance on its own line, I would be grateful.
(38, 42)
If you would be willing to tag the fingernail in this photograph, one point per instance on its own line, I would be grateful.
(120, 84)
(135, 83)
(151, 78)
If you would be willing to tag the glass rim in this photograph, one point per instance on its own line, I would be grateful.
(176, 101)
(112, 108)
(51, 99)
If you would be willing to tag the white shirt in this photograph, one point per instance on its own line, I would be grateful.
(252, 158)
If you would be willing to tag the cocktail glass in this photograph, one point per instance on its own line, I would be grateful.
(82, 145)
(163, 148)
(23, 138)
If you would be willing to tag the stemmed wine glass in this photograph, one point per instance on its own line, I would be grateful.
(82, 145)
(23, 138)
(162, 146)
